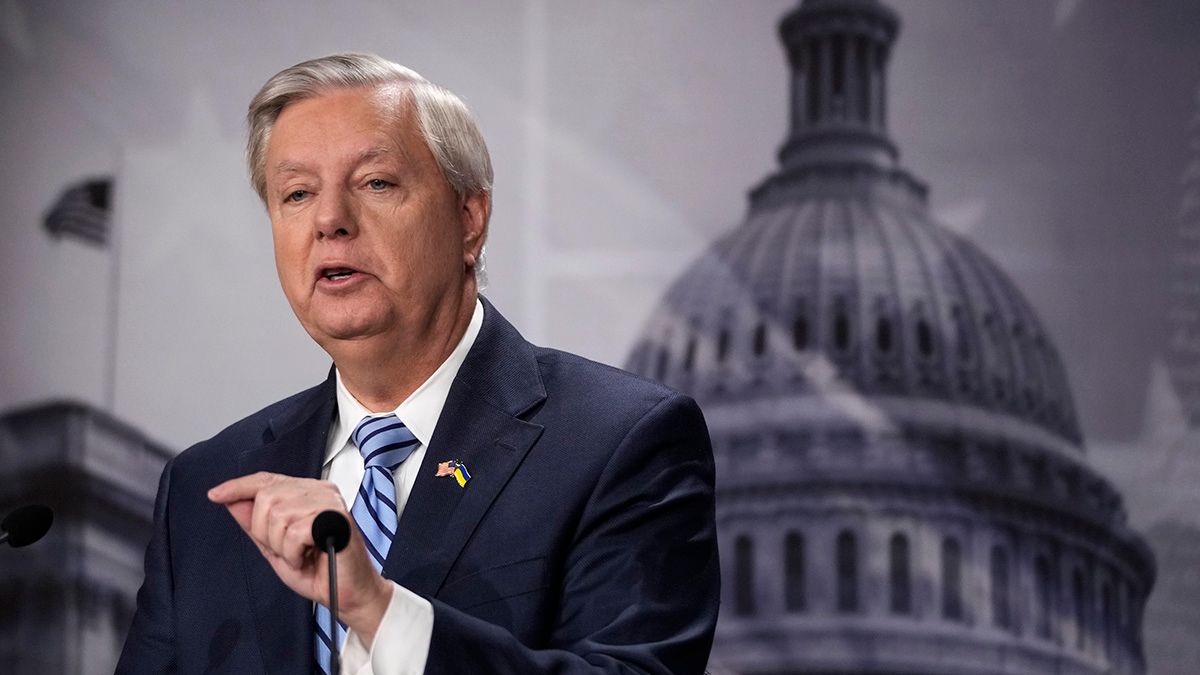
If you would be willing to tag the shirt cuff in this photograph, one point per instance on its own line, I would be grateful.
(401, 643)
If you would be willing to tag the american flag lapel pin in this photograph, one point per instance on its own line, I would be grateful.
(456, 468)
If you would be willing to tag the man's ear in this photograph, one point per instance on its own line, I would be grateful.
(476, 210)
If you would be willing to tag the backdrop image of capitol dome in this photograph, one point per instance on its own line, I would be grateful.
(902, 481)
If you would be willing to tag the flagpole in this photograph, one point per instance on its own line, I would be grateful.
(114, 303)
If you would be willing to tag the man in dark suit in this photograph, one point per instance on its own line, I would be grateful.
(540, 513)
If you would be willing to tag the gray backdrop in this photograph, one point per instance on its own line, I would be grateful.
(1063, 137)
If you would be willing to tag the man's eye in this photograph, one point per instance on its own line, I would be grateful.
(297, 195)
(377, 184)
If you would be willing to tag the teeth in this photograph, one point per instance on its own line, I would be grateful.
(332, 276)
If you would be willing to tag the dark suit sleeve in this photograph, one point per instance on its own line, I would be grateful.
(641, 584)
(150, 644)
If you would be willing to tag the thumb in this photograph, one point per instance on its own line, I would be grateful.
(242, 511)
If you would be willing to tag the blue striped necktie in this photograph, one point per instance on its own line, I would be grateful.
(384, 442)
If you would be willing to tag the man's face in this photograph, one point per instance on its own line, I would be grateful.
(370, 239)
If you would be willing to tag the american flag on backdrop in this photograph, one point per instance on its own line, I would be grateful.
(84, 211)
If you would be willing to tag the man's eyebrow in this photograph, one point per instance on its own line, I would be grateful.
(372, 153)
(287, 166)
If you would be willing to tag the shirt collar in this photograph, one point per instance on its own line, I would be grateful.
(421, 410)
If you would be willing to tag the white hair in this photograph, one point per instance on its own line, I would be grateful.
(443, 120)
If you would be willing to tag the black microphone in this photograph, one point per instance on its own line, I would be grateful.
(331, 533)
(331, 528)
(26, 525)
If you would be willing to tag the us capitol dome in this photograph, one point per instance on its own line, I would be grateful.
(902, 485)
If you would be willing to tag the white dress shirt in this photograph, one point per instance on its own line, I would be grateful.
(402, 641)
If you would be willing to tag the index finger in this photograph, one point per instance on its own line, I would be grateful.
(243, 487)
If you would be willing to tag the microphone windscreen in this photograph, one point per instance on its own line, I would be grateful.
(27, 524)
(331, 525)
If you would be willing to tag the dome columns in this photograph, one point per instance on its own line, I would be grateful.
(838, 51)
(932, 585)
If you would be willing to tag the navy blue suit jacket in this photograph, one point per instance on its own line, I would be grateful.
(584, 541)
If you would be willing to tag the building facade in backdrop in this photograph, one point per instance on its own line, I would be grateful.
(902, 482)
(66, 601)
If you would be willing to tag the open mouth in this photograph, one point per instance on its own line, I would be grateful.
(338, 274)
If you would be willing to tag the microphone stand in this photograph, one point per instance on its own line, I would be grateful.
(331, 532)
(335, 659)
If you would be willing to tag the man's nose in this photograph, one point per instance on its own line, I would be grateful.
(335, 215)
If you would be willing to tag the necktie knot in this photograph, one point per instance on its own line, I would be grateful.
(383, 441)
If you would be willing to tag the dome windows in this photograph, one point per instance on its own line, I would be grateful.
(923, 333)
(998, 390)
(1107, 618)
(689, 354)
(760, 339)
(663, 360)
(1086, 611)
(1079, 602)
(841, 329)
(1051, 409)
(1001, 604)
(952, 598)
(899, 575)
(800, 333)
(794, 573)
(841, 332)
(743, 569)
(800, 329)
(924, 338)
(1043, 600)
(966, 377)
(722, 344)
(962, 337)
(886, 358)
(883, 334)
(846, 564)
(991, 328)
(1026, 400)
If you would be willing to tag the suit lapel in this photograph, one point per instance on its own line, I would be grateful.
(295, 446)
(481, 425)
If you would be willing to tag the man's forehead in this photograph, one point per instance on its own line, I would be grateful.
(362, 125)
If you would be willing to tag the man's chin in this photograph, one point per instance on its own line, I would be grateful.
(330, 334)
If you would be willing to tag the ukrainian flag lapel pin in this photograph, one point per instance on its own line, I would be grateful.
(456, 468)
